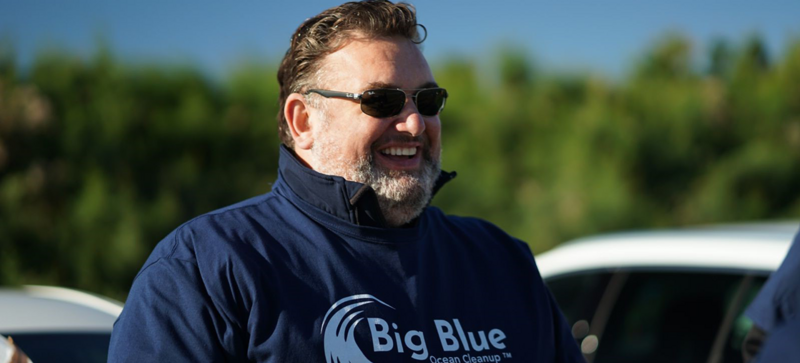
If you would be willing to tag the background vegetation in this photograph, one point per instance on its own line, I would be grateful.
(100, 159)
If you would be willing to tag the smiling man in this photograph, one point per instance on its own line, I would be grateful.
(344, 261)
(374, 137)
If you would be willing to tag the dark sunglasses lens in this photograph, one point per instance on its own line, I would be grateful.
(431, 101)
(383, 102)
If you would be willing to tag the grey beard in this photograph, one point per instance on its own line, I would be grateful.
(402, 195)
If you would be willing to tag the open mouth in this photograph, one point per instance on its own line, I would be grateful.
(400, 152)
(400, 157)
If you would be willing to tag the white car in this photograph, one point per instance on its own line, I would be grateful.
(53, 324)
(664, 296)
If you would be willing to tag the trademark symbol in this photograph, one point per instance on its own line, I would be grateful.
(506, 355)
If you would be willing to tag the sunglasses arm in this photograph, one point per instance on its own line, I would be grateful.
(335, 94)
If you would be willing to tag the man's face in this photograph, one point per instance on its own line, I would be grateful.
(366, 149)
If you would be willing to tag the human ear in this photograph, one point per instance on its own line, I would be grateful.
(296, 112)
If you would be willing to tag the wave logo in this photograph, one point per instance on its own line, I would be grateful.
(339, 325)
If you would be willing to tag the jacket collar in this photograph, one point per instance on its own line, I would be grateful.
(351, 201)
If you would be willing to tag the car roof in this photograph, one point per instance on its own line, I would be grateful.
(55, 309)
(756, 247)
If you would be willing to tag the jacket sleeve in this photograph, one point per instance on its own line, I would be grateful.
(565, 347)
(168, 317)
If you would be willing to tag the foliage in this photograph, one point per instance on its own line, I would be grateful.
(100, 159)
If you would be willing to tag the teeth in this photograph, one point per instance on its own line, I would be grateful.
(400, 151)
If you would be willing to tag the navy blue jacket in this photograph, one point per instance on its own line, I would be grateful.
(307, 273)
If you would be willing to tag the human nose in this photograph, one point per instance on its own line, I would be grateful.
(411, 121)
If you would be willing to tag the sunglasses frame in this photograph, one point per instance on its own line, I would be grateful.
(358, 97)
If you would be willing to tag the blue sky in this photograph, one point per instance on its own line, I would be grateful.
(605, 36)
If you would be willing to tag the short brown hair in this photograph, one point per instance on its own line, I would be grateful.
(329, 31)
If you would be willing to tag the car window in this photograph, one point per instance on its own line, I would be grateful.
(578, 295)
(657, 316)
(732, 351)
(64, 347)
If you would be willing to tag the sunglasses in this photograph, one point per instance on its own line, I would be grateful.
(388, 102)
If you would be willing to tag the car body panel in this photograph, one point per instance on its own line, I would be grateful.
(737, 247)
(55, 309)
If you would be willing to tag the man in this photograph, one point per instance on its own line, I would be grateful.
(343, 261)
(10, 353)
(775, 314)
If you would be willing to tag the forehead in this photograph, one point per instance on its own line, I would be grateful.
(363, 63)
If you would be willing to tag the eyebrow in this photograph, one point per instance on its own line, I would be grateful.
(374, 85)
